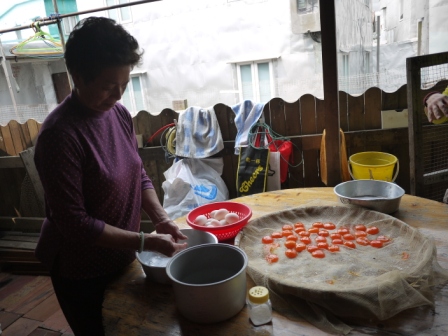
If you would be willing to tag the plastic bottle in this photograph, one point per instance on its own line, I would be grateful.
(260, 308)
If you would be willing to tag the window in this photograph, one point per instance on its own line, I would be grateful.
(122, 14)
(366, 62)
(19, 35)
(345, 65)
(69, 23)
(401, 9)
(133, 97)
(255, 81)
(307, 6)
(390, 36)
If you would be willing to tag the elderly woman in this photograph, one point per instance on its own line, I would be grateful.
(94, 181)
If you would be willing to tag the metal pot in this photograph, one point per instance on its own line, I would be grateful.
(154, 264)
(377, 195)
(209, 282)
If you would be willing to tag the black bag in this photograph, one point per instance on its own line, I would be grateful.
(252, 174)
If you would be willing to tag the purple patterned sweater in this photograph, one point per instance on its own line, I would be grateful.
(92, 174)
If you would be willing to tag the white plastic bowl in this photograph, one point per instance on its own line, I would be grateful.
(154, 264)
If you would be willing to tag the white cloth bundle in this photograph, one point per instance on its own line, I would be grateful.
(198, 134)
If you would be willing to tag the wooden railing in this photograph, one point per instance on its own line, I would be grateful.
(302, 121)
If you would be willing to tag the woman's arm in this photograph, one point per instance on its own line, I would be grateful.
(164, 241)
(158, 215)
(113, 237)
(436, 106)
(168, 233)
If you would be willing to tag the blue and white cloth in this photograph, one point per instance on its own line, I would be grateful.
(246, 115)
(198, 134)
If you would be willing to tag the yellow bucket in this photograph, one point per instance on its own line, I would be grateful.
(373, 166)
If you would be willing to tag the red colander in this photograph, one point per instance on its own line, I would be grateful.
(224, 232)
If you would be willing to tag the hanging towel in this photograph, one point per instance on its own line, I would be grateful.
(246, 115)
(198, 134)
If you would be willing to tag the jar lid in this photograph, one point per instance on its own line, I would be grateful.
(258, 294)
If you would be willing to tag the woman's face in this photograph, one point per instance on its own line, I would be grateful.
(105, 90)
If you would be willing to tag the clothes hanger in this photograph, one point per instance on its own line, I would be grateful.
(25, 48)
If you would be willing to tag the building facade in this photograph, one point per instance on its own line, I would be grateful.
(204, 52)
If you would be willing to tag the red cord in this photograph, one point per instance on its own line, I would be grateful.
(158, 132)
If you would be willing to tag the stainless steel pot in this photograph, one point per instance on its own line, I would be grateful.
(154, 264)
(209, 282)
(377, 195)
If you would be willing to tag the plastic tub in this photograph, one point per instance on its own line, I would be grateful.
(373, 166)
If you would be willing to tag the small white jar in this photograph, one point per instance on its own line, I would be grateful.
(260, 308)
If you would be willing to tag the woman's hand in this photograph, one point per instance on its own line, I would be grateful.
(169, 227)
(162, 243)
(437, 106)
(158, 215)
(168, 233)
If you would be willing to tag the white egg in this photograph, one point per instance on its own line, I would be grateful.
(200, 220)
(221, 214)
(213, 213)
(232, 218)
(215, 222)
(223, 222)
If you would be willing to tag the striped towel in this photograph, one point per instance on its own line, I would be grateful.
(198, 134)
(246, 115)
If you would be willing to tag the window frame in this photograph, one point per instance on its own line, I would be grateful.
(69, 23)
(401, 10)
(345, 64)
(130, 88)
(118, 11)
(255, 79)
(311, 6)
(366, 55)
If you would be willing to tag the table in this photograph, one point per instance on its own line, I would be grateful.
(136, 306)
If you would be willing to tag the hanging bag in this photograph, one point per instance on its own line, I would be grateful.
(284, 147)
(253, 167)
(276, 143)
(190, 183)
